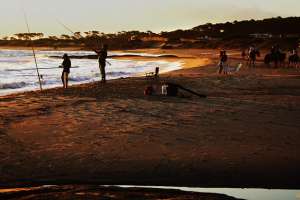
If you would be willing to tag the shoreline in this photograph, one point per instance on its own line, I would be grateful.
(186, 62)
(136, 140)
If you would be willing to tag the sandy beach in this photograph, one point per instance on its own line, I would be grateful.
(245, 134)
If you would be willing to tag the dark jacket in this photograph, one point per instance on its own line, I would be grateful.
(224, 58)
(66, 65)
(102, 57)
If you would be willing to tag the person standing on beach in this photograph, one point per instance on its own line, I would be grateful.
(102, 62)
(222, 64)
(66, 65)
(252, 57)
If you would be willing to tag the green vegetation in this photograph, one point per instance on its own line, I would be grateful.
(264, 33)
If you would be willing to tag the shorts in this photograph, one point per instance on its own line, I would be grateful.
(66, 71)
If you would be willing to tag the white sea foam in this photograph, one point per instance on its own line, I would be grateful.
(18, 72)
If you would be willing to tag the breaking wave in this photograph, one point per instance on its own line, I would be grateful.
(79, 78)
(14, 85)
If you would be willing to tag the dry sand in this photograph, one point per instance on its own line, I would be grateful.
(245, 134)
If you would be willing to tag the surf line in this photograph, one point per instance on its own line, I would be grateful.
(33, 50)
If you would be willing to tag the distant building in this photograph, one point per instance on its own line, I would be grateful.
(188, 40)
(133, 38)
(292, 36)
(154, 38)
(207, 38)
(261, 35)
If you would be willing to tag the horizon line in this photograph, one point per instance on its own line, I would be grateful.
(155, 32)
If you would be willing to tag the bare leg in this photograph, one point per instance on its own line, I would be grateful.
(62, 79)
(66, 77)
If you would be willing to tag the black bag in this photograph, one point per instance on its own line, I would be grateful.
(172, 90)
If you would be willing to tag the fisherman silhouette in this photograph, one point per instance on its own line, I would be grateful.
(102, 62)
(66, 65)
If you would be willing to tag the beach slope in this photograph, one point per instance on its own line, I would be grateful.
(245, 134)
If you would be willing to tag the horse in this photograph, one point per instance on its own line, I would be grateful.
(294, 60)
(252, 58)
(278, 58)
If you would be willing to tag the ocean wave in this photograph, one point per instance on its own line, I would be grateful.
(14, 85)
(19, 70)
(20, 76)
(79, 78)
(117, 74)
(34, 69)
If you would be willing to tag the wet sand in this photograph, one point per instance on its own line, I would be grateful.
(245, 134)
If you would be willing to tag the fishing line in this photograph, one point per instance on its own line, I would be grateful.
(80, 36)
(32, 47)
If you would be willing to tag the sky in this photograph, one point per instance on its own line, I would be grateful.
(123, 15)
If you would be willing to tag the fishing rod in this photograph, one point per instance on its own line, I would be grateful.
(70, 30)
(33, 50)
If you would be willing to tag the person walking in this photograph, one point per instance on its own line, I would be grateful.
(66, 65)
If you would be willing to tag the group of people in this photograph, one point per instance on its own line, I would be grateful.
(250, 56)
(66, 65)
(276, 56)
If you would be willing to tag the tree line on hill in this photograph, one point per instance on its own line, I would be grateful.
(235, 34)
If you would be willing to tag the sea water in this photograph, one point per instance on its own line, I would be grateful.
(18, 72)
(241, 193)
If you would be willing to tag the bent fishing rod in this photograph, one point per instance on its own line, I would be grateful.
(89, 46)
(33, 50)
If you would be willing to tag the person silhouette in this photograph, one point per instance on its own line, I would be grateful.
(222, 63)
(66, 65)
(102, 62)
